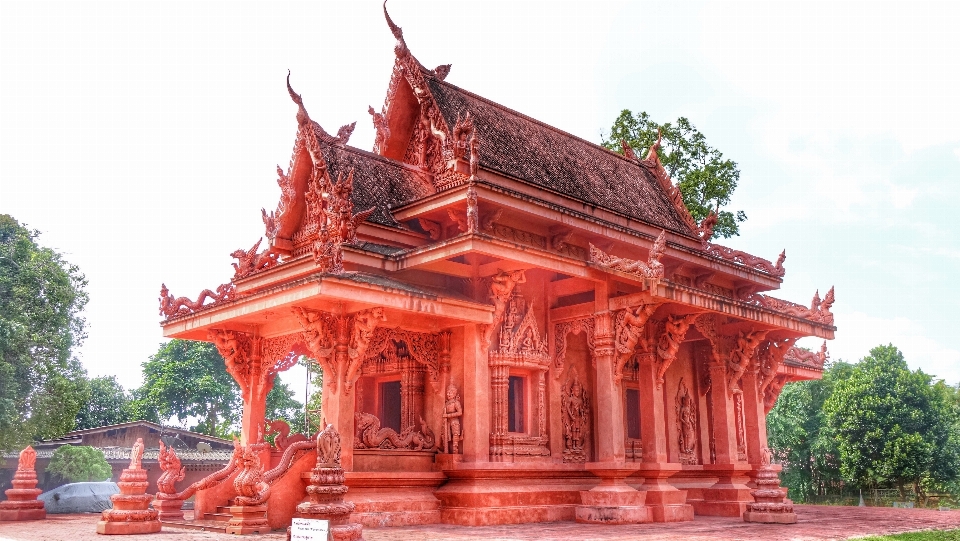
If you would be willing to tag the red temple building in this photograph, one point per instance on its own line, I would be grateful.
(514, 325)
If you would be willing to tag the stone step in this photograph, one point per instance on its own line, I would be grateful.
(217, 517)
(202, 525)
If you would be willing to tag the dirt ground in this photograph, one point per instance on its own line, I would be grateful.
(815, 523)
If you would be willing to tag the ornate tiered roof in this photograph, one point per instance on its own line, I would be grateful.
(521, 148)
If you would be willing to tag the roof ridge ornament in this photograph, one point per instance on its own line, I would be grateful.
(654, 165)
(303, 119)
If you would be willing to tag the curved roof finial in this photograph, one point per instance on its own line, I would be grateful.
(396, 30)
(302, 116)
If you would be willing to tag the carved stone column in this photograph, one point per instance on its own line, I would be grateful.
(663, 500)
(652, 418)
(476, 396)
(609, 403)
(411, 394)
(755, 421)
(730, 494)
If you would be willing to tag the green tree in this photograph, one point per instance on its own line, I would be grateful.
(79, 463)
(706, 180)
(798, 436)
(893, 427)
(281, 404)
(42, 386)
(189, 380)
(107, 404)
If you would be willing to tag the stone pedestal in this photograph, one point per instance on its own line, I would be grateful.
(613, 501)
(770, 505)
(130, 513)
(729, 496)
(169, 509)
(325, 502)
(246, 519)
(326, 489)
(21, 502)
(665, 502)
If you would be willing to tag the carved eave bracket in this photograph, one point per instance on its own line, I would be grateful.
(674, 330)
(631, 336)
(650, 271)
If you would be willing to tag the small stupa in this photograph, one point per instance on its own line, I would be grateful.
(22, 502)
(131, 513)
(770, 504)
(326, 489)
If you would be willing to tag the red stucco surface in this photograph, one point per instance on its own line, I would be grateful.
(816, 523)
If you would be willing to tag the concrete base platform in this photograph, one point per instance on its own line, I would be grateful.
(770, 518)
(128, 528)
(22, 514)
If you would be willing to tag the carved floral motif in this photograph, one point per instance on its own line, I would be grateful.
(560, 332)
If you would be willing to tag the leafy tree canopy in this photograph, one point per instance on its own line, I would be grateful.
(189, 380)
(706, 180)
(79, 463)
(894, 427)
(107, 404)
(797, 434)
(42, 387)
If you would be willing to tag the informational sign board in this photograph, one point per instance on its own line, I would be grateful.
(308, 529)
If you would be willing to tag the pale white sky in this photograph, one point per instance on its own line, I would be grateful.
(142, 138)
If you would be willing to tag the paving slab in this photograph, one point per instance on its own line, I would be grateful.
(816, 523)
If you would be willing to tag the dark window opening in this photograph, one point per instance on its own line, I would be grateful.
(390, 405)
(515, 405)
(633, 414)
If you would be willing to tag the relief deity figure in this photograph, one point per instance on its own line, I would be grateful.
(576, 409)
(686, 425)
(452, 412)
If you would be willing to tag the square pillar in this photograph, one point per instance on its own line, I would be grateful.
(664, 502)
(608, 432)
(476, 397)
(729, 496)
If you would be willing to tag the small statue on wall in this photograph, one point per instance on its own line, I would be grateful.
(576, 409)
(686, 425)
(452, 412)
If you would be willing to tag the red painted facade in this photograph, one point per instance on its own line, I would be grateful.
(514, 325)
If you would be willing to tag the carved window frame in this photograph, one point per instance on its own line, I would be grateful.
(378, 380)
(527, 377)
(632, 446)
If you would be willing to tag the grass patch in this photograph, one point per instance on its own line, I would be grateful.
(939, 535)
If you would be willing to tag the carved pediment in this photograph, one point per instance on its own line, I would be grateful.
(520, 338)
